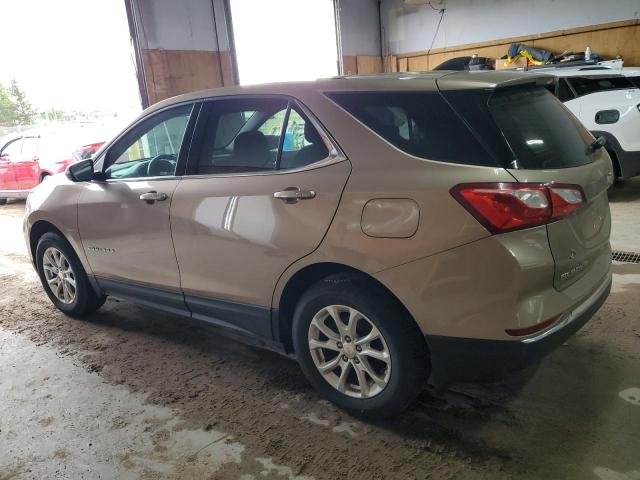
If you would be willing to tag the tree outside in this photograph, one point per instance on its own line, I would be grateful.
(15, 108)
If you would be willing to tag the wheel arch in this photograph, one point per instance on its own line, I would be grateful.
(614, 149)
(615, 161)
(41, 227)
(307, 276)
(36, 232)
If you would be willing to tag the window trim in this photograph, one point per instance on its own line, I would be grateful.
(336, 154)
(283, 136)
(100, 162)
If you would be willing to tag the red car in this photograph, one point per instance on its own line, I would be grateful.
(27, 160)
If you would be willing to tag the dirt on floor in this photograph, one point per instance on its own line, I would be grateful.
(573, 416)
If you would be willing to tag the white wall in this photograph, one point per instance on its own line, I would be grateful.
(411, 28)
(182, 25)
(359, 26)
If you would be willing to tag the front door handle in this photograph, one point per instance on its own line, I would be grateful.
(153, 196)
(293, 194)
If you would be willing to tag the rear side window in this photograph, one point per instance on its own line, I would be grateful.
(539, 130)
(418, 123)
(585, 86)
(247, 135)
(229, 125)
(635, 80)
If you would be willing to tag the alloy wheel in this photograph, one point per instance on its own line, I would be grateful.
(59, 275)
(349, 351)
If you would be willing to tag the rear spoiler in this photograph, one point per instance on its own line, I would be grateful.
(491, 80)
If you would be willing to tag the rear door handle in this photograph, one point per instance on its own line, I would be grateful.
(293, 194)
(153, 196)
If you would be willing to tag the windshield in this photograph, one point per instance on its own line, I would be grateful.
(540, 131)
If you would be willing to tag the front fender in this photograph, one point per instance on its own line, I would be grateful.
(54, 203)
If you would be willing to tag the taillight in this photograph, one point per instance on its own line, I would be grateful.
(565, 199)
(504, 207)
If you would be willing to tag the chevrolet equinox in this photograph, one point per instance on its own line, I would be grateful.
(382, 229)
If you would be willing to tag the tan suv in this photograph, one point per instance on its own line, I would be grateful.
(381, 229)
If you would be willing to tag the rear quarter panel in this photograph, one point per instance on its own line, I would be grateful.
(381, 171)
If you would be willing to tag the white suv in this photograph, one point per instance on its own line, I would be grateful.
(606, 99)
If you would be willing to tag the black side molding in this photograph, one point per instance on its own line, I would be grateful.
(251, 319)
(167, 301)
(244, 319)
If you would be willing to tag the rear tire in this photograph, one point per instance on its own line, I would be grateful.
(3, 201)
(63, 277)
(398, 359)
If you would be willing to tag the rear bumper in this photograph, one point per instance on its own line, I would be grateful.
(470, 359)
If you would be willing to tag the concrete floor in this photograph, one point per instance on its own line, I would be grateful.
(133, 393)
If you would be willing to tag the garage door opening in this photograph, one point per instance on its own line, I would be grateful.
(74, 61)
(284, 40)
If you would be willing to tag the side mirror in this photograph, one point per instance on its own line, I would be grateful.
(81, 171)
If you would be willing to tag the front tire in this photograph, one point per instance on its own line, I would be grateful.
(359, 347)
(63, 277)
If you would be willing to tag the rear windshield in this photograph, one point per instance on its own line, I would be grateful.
(585, 86)
(418, 123)
(540, 131)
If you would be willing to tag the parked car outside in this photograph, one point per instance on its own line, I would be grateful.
(607, 102)
(444, 225)
(608, 105)
(28, 159)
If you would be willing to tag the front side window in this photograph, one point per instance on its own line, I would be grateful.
(269, 134)
(12, 150)
(30, 147)
(152, 149)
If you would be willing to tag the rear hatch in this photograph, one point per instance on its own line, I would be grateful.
(538, 140)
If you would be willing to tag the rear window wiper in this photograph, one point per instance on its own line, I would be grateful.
(597, 144)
